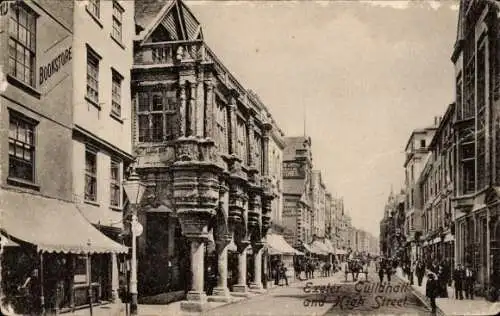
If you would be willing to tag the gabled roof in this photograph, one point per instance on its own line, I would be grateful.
(173, 15)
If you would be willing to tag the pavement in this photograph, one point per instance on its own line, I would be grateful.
(450, 305)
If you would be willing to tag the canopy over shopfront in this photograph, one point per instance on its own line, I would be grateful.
(51, 225)
(321, 247)
(278, 245)
(340, 251)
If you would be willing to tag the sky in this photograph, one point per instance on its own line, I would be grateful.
(366, 72)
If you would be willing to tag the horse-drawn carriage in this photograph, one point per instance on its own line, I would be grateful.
(355, 267)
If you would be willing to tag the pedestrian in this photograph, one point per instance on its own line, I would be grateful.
(283, 270)
(365, 270)
(441, 278)
(412, 271)
(431, 288)
(388, 271)
(381, 270)
(470, 278)
(420, 271)
(458, 279)
(276, 271)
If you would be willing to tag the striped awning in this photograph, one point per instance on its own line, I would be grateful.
(52, 225)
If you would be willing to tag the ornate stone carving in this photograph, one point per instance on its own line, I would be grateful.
(266, 224)
(186, 149)
(194, 222)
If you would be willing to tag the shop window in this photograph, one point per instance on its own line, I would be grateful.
(81, 270)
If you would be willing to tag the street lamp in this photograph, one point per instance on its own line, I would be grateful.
(134, 189)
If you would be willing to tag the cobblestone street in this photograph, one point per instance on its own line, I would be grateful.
(342, 298)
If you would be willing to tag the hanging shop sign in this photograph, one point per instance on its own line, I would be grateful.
(53, 67)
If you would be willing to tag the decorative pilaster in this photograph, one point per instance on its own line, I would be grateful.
(251, 144)
(265, 139)
(209, 109)
(192, 109)
(182, 110)
(241, 288)
(200, 106)
(233, 139)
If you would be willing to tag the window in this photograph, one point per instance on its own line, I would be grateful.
(90, 175)
(422, 143)
(116, 94)
(221, 125)
(92, 77)
(117, 21)
(157, 115)
(94, 6)
(81, 269)
(115, 185)
(469, 82)
(242, 151)
(468, 170)
(22, 44)
(21, 149)
(258, 151)
(458, 96)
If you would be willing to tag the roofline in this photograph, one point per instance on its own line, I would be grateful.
(446, 117)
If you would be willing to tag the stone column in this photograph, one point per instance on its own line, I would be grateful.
(196, 298)
(241, 288)
(257, 250)
(221, 292)
(182, 110)
(209, 109)
(114, 279)
(192, 110)
(265, 258)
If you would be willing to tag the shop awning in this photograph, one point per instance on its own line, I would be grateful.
(340, 251)
(52, 225)
(329, 246)
(322, 248)
(278, 245)
(7, 242)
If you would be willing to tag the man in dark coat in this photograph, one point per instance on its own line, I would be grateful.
(431, 289)
(420, 271)
(458, 279)
(470, 278)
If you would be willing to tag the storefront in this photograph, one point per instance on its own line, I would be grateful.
(61, 261)
(280, 251)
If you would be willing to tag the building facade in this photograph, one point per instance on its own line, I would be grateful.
(49, 233)
(203, 144)
(437, 191)
(477, 97)
(297, 195)
(318, 204)
(417, 149)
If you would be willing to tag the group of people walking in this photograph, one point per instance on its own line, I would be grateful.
(439, 277)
